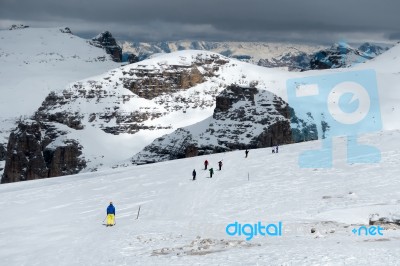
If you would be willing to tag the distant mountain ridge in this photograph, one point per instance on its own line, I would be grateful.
(294, 57)
(250, 52)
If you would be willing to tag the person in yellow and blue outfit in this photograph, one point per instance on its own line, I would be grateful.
(110, 215)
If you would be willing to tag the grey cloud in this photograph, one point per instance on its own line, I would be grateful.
(253, 20)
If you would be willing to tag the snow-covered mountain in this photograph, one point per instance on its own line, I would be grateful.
(110, 117)
(34, 62)
(343, 55)
(58, 221)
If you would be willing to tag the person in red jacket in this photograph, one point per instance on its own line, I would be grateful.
(205, 164)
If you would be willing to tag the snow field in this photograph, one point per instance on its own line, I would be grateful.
(58, 221)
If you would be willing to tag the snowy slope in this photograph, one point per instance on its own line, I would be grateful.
(59, 221)
(35, 61)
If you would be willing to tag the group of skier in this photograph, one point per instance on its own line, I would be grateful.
(211, 170)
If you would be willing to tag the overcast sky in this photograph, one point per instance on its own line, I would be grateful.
(318, 21)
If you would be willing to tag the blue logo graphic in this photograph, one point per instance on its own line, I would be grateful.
(340, 104)
(251, 230)
(368, 231)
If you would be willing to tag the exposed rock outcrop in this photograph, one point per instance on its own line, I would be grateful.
(66, 30)
(3, 152)
(243, 118)
(150, 83)
(18, 27)
(106, 41)
(132, 58)
(32, 153)
(293, 61)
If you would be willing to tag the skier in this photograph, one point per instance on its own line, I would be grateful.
(211, 172)
(247, 152)
(220, 165)
(205, 164)
(110, 215)
(277, 148)
(194, 174)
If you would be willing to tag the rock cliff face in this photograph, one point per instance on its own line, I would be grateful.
(244, 117)
(150, 83)
(31, 153)
(3, 152)
(106, 41)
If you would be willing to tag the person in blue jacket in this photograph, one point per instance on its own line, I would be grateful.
(110, 215)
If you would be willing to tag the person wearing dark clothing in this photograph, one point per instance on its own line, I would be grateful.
(211, 172)
(247, 152)
(110, 215)
(194, 174)
(220, 165)
(277, 148)
(205, 164)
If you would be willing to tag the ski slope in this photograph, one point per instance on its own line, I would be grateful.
(182, 222)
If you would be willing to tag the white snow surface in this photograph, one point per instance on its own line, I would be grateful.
(58, 221)
(35, 61)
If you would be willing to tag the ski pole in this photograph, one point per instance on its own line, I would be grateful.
(137, 217)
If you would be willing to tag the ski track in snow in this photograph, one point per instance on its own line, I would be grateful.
(58, 221)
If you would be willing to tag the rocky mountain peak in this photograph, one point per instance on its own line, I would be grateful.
(106, 41)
